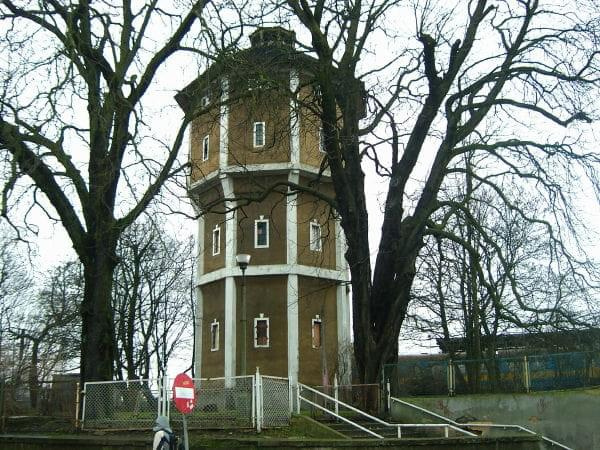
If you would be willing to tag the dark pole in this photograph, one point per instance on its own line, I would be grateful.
(243, 260)
(244, 322)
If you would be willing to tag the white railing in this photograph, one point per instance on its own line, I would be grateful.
(337, 404)
(478, 425)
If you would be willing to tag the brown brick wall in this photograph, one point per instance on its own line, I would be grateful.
(310, 125)
(269, 107)
(213, 295)
(317, 297)
(309, 209)
(206, 124)
(213, 262)
(267, 295)
(272, 208)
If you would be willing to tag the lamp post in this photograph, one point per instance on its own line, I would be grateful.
(242, 261)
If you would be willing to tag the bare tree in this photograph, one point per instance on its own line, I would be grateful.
(50, 335)
(76, 79)
(479, 77)
(151, 298)
(16, 287)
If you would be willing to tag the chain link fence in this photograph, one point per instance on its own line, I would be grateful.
(275, 401)
(564, 370)
(436, 376)
(500, 375)
(120, 404)
(221, 403)
(417, 377)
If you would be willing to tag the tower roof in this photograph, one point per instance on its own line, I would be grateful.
(271, 52)
(273, 36)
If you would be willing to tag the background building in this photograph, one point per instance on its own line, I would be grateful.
(256, 133)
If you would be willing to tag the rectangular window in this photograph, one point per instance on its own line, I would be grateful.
(216, 240)
(315, 237)
(321, 141)
(259, 134)
(205, 147)
(261, 331)
(316, 332)
(261, 233)
(214, 336)
(205, 100)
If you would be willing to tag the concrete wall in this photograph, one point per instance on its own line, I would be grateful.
(569, 417)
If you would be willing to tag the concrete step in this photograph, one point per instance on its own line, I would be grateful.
(382, 430)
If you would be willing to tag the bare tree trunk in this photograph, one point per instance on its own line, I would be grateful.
(98, 349)
(33, 374)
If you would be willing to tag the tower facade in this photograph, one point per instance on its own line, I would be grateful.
(257, 136)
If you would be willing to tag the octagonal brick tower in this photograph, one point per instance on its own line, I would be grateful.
(251, 138)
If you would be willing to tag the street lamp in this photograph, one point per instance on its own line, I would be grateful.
(242, 261)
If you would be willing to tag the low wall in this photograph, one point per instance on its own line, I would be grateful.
(570, 417)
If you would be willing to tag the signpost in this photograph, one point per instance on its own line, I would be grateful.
(184, 396)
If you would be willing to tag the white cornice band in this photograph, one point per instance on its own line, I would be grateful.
(275, 269)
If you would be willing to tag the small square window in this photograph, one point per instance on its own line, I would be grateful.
(216, 240)
(205, 147)
(214, 336)
(261, 331)
(261, 233)
(316, 332)
(259, 134)
(316, 244)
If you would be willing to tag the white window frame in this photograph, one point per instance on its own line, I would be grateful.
(316, 244)
(318, 320)
(205, 147)
(256, 320)
(261, 219)
(216, 249)
(264, 134)
(205, 100)
(214, 335)
(321, 138)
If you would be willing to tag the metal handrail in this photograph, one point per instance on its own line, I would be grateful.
(348, 421)
(398, 426)
(490, 425)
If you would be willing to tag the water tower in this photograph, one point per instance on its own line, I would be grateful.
(257, 134)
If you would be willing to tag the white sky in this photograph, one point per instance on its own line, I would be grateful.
(54, 245)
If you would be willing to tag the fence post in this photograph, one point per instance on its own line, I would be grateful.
(84, 393)
(253, 377)
(388, 396)
(291, 396)
(160, 395)
(450, 375)
(297, 397)
(167, 390)
(526, 374)
(77, 398)
(335, 394)
(259, 401)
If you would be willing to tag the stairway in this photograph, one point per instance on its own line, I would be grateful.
(354, 432)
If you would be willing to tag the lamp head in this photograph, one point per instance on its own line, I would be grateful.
(242, 260)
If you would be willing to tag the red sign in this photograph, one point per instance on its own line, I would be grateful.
(184, 394)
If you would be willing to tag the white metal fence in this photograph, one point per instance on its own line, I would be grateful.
(253, 401)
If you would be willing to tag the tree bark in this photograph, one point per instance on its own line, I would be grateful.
(97, 344)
